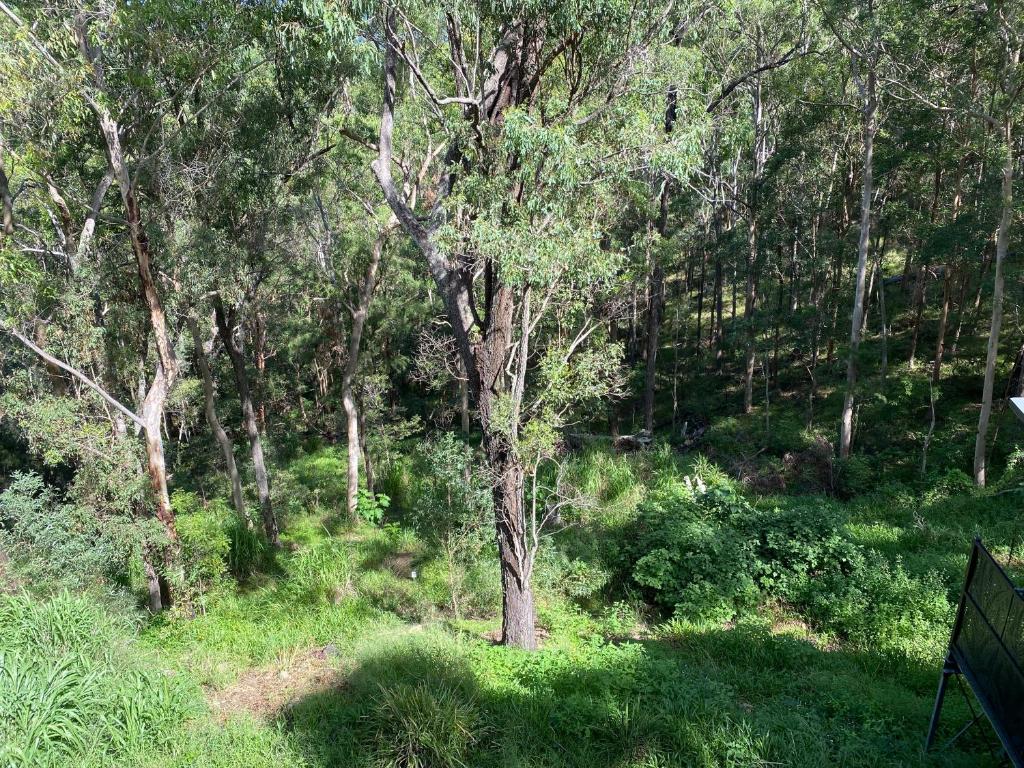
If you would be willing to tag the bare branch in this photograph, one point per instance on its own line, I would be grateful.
(47, 357)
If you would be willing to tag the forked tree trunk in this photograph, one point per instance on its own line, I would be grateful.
(485, 346)
(226, 328)
(348, 398)
(227, 448)
(1002, 246)
(868, 111)
(167, 365)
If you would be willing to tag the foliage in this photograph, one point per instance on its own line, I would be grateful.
(371, 507)
(54, 545)
(75, 692)
(705, 552)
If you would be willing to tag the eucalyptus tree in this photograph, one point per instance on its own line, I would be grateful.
(350, 239)
(968, 65)
(858, 29)
(129, 97)
(517, 128)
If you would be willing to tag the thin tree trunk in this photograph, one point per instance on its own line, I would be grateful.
(226, 327)
(370, 477)
(655, 301)
(6, 203)
(259, 336)
(961, 305)
(719, 302)
(846, 426)
(464, 401)
(750, 295)
(359, 315)
(883, 318)
(940, 344)
(1002, 246)
(89, 228)
(227, 448)
(920, 290)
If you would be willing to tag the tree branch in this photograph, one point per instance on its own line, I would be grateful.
(47, 357)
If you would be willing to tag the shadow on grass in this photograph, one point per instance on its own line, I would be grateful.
(737, 697)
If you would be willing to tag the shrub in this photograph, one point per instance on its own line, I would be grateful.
(882, 606)
(854, 475)
(689, 558)
(54, 545)
(703, 551)
(371, 506)
(205, 543)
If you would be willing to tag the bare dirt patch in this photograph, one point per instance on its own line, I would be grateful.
(266, 691)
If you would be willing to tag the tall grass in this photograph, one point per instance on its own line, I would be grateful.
(74, 691)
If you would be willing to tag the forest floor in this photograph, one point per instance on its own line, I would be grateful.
(338, 657)
(345, 648)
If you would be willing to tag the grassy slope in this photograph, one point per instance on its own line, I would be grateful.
(405, 683)
(612, 687)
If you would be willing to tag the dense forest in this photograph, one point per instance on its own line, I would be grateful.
(490, 383)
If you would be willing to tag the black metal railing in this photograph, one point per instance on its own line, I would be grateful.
(986, 648)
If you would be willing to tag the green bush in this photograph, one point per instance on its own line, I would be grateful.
(854, 475)
(54, 545)
(205, 543)
(371, 506)
(702, 550)
(880, 605)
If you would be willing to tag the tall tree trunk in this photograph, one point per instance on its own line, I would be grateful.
(485, 346)
(167, 365)
(750, 295)
(489, 358)
(226, 327)
(359, 314)
(1002, 246)
(227, 448)
(655, 301)
(868, 112)
(940, 344)
(152, 414)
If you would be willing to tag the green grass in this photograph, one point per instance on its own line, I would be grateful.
(616, 683)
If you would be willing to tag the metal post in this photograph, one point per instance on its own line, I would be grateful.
(949, 668)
